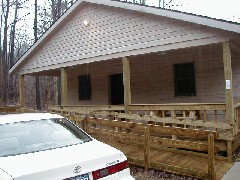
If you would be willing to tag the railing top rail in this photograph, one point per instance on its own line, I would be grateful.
(91, 107)
(236, 105)
(150, 107)
(170, 104)
(180, 106)
(157, 129)
(8, 109)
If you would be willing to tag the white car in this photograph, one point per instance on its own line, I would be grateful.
(36, 146)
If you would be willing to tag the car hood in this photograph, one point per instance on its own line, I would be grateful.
(61, 163)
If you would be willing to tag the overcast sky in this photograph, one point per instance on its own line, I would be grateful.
(220, 9)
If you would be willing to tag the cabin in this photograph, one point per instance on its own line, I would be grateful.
(149, 62)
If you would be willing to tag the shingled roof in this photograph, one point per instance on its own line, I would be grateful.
(187, 17)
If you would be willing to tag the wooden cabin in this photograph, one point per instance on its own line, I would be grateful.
(118, 56)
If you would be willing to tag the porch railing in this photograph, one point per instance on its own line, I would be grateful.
(237, 116)
(194, 116)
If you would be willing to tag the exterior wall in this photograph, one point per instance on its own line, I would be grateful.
(156, 76)
(152, 77)
(236, 75)
(99, 72)
(114, 33)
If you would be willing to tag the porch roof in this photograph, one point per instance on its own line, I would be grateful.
(219, 25)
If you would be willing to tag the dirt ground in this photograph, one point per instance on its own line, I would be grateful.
(139, 173)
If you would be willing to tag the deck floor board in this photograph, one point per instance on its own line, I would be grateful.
(173, 159)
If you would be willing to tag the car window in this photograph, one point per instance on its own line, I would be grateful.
(39, 135)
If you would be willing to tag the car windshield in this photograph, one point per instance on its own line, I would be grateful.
(39, 135)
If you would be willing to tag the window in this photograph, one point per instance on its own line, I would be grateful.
(85, 89)
(117, 89)
(184, 79)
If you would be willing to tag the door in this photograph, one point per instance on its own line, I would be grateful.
(116, 89)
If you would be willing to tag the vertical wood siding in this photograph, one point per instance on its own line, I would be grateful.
(152, 77)
(236, 75)
(111, 31)
(100, 72)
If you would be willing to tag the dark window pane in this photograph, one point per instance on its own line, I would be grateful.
(184, 79)
(85, 89)
(117, 89)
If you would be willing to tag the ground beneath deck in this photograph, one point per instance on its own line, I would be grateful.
(139, 173)
(182, 163)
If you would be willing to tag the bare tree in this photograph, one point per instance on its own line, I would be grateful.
(57, 10)
(5, 9)
(38, 96)
(12, 50)
(1, 73)
(13, 44)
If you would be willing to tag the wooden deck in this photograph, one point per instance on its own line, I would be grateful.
(179, 163)
(183, 146)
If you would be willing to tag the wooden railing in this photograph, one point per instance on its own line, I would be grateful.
(192, 116)
(184, 128)
(207, 116)
(237, 117)
(195, 116)
(8, 109)
(147, 131)
(150, 137)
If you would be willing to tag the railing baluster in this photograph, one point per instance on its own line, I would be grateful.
(184, 117)
(205, 115)
(173, 115)
(163, 115)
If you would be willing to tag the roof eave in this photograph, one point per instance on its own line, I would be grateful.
(214, 23)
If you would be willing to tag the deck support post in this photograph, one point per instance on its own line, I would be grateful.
(173, 115)
(126, 84)
(85, 120)
(230, 151)
(147, 147)
(63, 87)
(21, 91)
(228, 92)
(211, 158)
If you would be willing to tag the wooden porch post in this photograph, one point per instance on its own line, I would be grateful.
(126, 84)
(21, 91)
(229, 94)
(228, 81)
(63, 87)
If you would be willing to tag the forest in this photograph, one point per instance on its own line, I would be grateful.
(23, 22)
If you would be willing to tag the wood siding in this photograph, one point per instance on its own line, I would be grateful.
(114, 33)
(99, 72)
(152, 77)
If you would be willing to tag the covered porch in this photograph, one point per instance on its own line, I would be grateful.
(148, 86)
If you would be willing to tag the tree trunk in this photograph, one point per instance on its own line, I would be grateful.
(4, 55)
(12, 52)
(56, 13)
(1, 67)
(38, 97)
